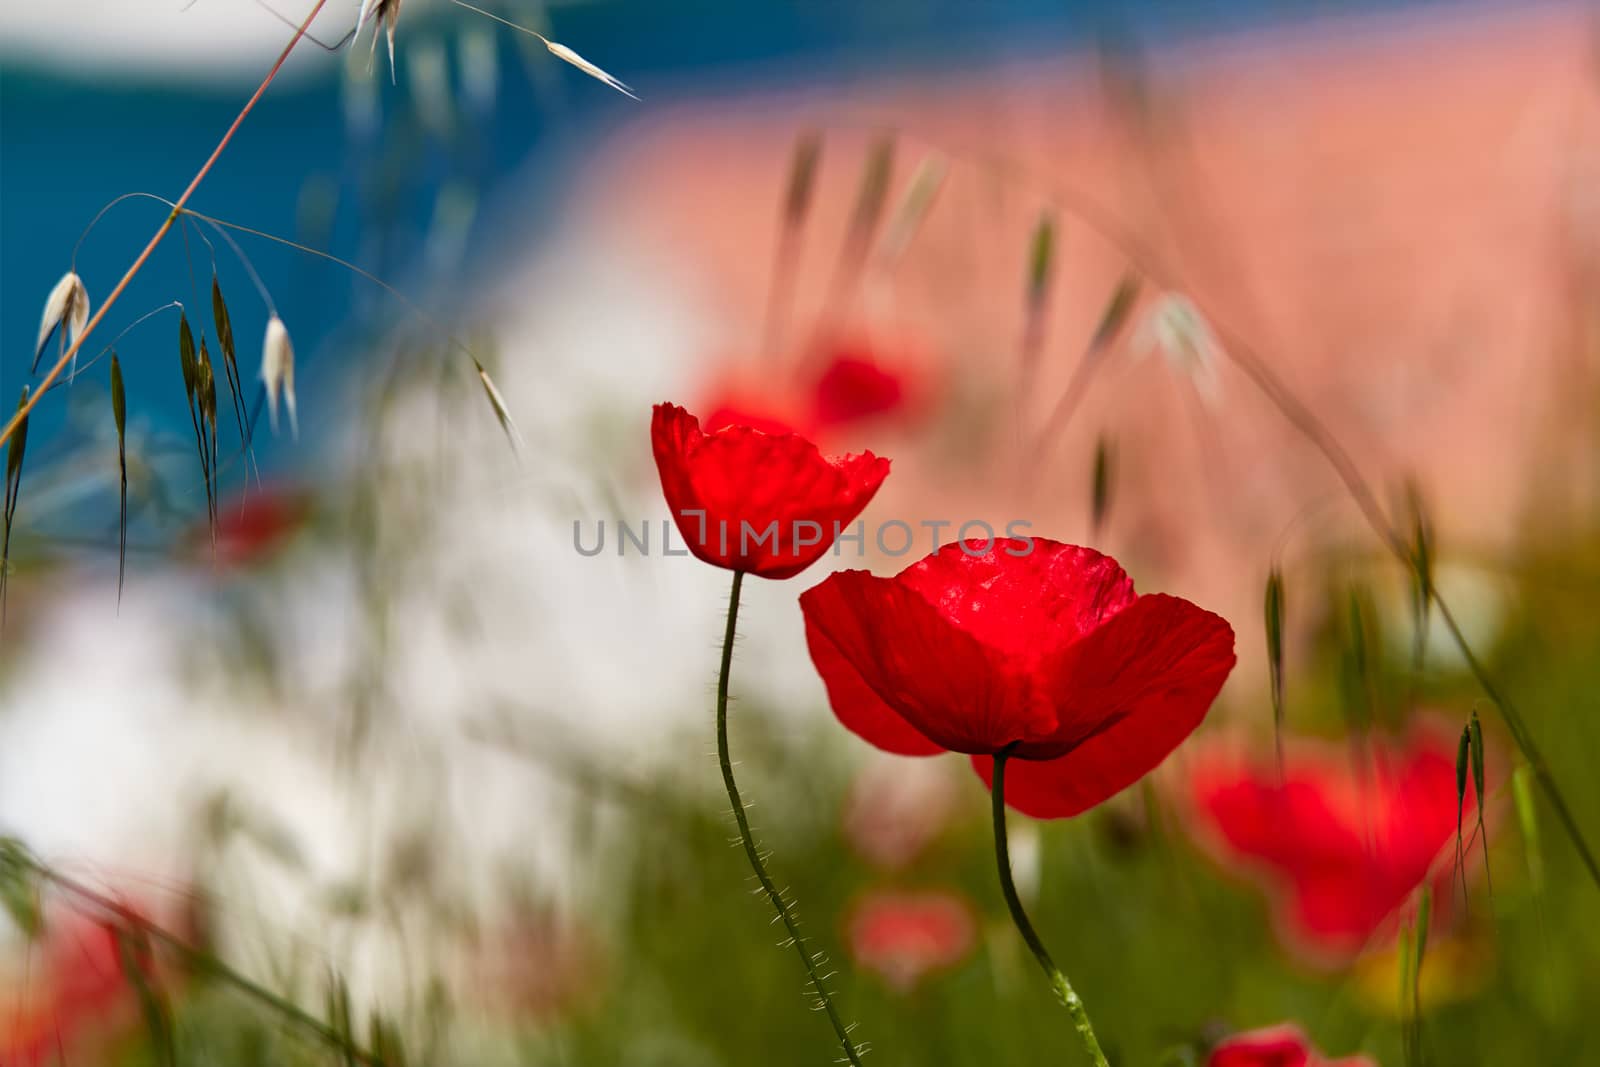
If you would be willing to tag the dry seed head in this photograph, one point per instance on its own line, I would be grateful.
(67, 306)
(1041, 258)
(119, 400)
(562, 52)
(1100, 492)
(385, 13)
(919, 197)
(1117, 311)
(277, 373)
(1176, 328)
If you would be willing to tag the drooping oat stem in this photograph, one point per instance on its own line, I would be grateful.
(133, 270)
(746, 838)
(1058, 980)
(496, 400)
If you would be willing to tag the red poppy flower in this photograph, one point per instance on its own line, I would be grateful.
(852, 388)
(76, 989)
(1027, 647)
(1342, 845)
(904, 937)
(1276, 1046)
(251, 526)
(768, 504)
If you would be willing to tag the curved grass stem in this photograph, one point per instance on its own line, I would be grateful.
(1058, 980)
(71, 351)
(752, 852)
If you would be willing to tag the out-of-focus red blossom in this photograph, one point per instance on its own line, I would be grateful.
(737, 401)
(862, 377)
(905, 936)
(1276, 1046)
(845, 380)
(253, 525)
(1027, 647)
(1343, 844)
(72, 992)
(768, 504)
(894, 810)
(852, 389)
(542, 967)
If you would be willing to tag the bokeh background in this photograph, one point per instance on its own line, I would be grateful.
(395, 736)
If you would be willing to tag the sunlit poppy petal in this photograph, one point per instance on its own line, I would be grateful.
(1276, 1046)
(1132, 691)
(1025, 598)
(878, 634)
(768, 504)
(1031, 648)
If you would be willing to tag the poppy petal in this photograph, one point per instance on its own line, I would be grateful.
(1131, 691)
(1024, 596)
(768, 504)
(890, 638)
(858, 707)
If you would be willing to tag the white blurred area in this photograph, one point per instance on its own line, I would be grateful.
(212, 40)
(509, 662)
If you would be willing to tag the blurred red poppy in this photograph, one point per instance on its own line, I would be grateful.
(841, 381)
(741, 400)
(74, 992)
(768, 504)
(1343, 843)
(855, 386)
(252, 525)
(1276, 1046)
(1027, 647)
(905, 936)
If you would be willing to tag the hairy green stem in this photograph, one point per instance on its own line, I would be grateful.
(1058, 981)
(753, 853)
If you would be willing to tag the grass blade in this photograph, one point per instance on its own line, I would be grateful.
(119, 411)
(1273, 612)
(230, 360)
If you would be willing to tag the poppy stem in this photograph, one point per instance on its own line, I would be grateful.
(1058, 981)
(753, 853)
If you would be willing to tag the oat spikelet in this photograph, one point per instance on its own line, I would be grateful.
(67, 309)
(1176, 328)
(501, 412)
(562, 52)
(277, 373)
(384, 13)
